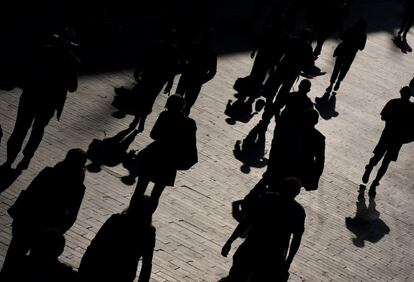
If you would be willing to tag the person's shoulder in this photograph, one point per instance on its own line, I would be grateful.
(191, 123)
(298, 208)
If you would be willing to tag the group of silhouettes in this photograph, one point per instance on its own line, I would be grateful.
(269, 214)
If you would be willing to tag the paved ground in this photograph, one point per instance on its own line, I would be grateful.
(194, 218)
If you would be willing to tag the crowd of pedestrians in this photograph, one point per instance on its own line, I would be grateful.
(273, 219)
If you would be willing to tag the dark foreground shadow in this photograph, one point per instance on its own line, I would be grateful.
(110, 151)
(325, 105)
(402, 44)
(366, 225)
(7, 177)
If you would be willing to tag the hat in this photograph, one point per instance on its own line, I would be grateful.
(67, 37)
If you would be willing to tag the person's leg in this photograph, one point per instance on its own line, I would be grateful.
(24, 119)
(346, 65)
(335, 72)
(156, 194)
(182, 85)
(142, 185)
(192, 95)
(381, 172)
(408, 24)
(371, 164)
(36, 136)
(261, 66)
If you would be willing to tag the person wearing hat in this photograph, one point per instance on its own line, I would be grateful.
(52, 72)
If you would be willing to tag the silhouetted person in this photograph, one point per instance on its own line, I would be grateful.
(158, 68)
(298, 151)
(52, 200)
(242, 109)
(298, 56)
(53, 72)
(122, 241)
(331, 21)
(200, 68)
(42, 264)
(267, 54)
(353, 39)
(398, 116)
(174, 148)
(408, 19)
(110, 151)
(367, 224)
(293, 104)
(275, 226)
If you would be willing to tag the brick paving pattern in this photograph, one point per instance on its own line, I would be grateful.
(194, 218)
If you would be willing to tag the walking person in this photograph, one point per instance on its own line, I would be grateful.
(52, 200)
(353, 39)
(268, 251)
(122, 241)
(174, 148)
(200, 68)
(398, 115)
(53, 72)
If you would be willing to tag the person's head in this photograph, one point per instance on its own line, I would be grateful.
(49, 245)
(175, 103)
(76, 158)
(406, 93)
(141, 209)
(310, 117)
(305, 86)
(289, 187)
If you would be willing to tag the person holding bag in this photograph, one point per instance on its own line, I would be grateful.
(174, 148)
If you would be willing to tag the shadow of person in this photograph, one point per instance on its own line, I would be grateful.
(242, 108)
(366, 225)
(402, 44)
(325, 105)
(312, 72)
(110, 151)
(252, 150)
(8, 176)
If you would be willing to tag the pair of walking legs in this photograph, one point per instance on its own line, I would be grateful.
(406, 25)
(381, 171)
(28, 115)
(341, 68)
(142, 185)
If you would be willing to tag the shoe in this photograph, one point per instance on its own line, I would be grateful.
(367, 172)
(338, 83)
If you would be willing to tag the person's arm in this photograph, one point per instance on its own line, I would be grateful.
(157, 128)
(320, 158)
(240, 230)
(293, 249)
